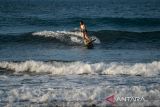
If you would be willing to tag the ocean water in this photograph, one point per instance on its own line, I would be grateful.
(43, 61)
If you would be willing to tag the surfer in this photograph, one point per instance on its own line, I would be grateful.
(84, 31)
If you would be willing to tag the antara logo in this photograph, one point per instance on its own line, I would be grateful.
(130, 99)
(112, 99)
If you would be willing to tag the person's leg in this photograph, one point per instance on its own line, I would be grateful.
(83, 35)
(86, 37)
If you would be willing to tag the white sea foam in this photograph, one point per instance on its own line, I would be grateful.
(88, 94)
(63, 68)
(75, 37)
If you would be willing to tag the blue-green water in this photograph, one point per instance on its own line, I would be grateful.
(43, 61)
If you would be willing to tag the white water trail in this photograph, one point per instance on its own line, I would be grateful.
(75, 37)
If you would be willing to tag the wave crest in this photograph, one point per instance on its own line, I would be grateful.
(68, 68)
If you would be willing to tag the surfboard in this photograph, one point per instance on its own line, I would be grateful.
(89, 45)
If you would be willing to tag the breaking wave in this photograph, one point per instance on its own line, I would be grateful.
(69, 37)
(104, 36)
(68, 68)
(75, 37)
(106, 39)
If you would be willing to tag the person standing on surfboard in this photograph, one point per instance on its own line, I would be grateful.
(84, 31)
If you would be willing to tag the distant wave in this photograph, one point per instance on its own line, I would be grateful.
(121, 21)
(111, 21)
(69, 37)
(68, 68)
(102, 36)
(126, 36)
